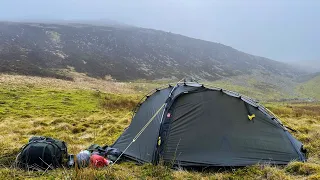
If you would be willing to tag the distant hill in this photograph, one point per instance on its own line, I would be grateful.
(124, 53)
(307, 77)
(311, 87)
(310, 66)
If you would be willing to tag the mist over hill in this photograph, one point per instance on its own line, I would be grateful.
(308, 65)
(124, 53)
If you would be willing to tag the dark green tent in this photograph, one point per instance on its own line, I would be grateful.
(192, 125)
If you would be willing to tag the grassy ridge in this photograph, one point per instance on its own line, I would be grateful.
(311, 88)
(257, 90)
(82, 117)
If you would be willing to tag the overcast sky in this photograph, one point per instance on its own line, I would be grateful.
(284, 30)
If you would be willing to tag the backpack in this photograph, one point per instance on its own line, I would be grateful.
(42, 153)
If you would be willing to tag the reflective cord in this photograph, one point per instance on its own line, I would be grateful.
(139, 133)
(277, 119)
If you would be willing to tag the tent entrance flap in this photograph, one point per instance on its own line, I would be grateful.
(142, 150)
(140, 132)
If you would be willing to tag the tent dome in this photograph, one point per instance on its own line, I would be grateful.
(191, 125)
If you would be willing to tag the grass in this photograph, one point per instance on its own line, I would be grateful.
(257, 90)
(311, 88)
(82, 115)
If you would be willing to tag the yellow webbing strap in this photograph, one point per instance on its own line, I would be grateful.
(159, 141)
(251, 117)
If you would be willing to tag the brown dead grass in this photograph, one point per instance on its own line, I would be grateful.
(80, 81)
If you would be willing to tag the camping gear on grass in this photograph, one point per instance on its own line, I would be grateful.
(113, 151)
(192, 125)
(98, 161)
(108, 152)
(70, 162)
(95, 148)
(113, 154)
(96, 156)
(83, 158)
(42, 153)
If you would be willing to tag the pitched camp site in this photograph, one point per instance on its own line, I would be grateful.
(183, 125)
(192, 125)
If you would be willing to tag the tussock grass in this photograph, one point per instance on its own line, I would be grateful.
(111, 101)
(82, 116)
(305, 119)
(302, 168)
(80, 81)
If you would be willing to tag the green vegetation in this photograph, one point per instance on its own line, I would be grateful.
(82, 116)
(262, 90)
(311, 88)
(54, 36)
(253, 93)
(79, 117)
(31, 102)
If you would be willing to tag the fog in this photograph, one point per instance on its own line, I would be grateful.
(283, 30)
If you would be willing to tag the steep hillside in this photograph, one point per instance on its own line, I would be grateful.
(123, 52)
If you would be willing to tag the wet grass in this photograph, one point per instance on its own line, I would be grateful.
(82, 117)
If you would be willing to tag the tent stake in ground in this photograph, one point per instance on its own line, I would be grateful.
(213, 127)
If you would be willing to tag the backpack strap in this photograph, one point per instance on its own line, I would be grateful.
(43, 151)
(54, 141)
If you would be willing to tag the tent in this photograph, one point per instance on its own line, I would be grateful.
(192, 125)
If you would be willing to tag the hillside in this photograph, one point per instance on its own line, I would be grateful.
(311, 88)
(123, 52)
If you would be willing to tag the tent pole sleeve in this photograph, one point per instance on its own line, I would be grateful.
(140, 132)
(162, 117)
(166, 103)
